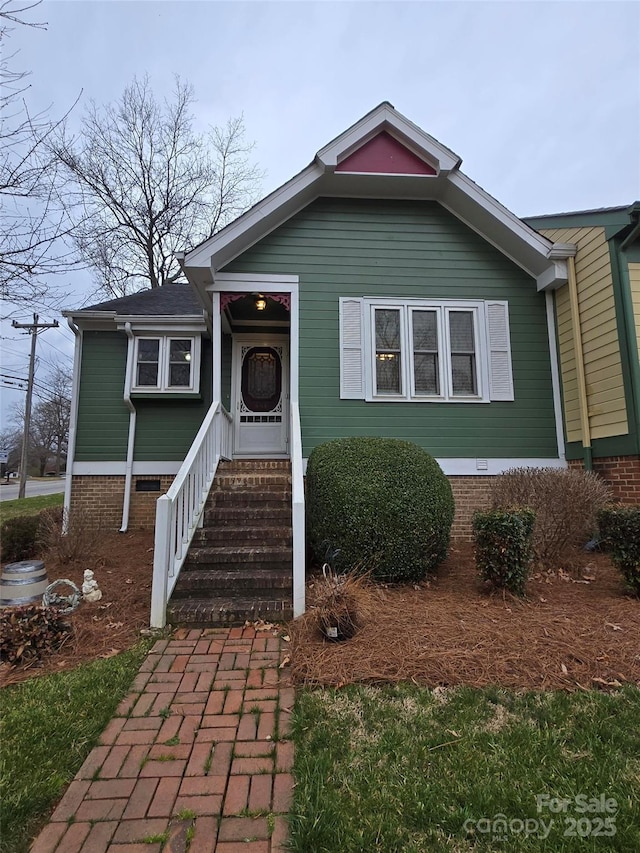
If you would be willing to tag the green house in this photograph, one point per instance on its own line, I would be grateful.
(379, 292)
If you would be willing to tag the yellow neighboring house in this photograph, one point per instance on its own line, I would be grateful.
(598, 337)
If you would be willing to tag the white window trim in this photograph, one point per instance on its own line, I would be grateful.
(442, 307)
(163, 387)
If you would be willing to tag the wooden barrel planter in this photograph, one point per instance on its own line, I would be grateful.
(23, 583)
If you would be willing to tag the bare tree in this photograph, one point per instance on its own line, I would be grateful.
(49, 424)
(33, 222)
(146, 185)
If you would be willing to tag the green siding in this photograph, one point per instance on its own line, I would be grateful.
(347, 247)
(103, 418)
(165, 427)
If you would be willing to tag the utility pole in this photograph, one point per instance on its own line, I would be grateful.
(32, 329)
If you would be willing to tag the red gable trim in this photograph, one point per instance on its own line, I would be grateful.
(384, 155)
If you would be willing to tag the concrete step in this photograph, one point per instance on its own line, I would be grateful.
(262, 531)
(200, 583)
(211, 612)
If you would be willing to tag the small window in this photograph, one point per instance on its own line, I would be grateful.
(148, 362)
(164, 364)
(180, 363)
(388, 352)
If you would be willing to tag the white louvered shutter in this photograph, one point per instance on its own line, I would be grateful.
(500, 374)
(351, 350)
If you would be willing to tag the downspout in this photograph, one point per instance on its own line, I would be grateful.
(132, 437)
(580, 373)
(73, 422)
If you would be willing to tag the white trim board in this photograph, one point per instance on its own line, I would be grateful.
(115, 469)
(471, 467)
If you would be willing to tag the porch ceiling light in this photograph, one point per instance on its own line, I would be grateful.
(261, 302)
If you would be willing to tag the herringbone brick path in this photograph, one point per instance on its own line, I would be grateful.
(197, 757)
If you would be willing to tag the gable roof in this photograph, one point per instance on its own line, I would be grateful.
(444, 183)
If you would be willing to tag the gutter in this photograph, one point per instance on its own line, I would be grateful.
(132, 439)
(73, 422)
(580, 372)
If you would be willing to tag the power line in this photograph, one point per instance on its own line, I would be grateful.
(33, 329)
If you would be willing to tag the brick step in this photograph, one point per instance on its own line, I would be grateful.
(254, 557)
(253, 515)
(255, 465)
(235, 535)
(244, 497)
(268, 480)
(200, 583)
(212, 612)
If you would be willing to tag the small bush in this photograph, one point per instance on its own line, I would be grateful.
(503, 540)
(30, 632)
(384, 504)
(20, 538)
(565, 502)
(81, 540)
(620, 527)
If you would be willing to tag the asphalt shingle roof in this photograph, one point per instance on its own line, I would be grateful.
(171, 299)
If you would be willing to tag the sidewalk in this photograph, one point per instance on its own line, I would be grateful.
(197, 756)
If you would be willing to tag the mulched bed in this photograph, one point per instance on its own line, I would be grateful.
(576, 629)
(123, 564)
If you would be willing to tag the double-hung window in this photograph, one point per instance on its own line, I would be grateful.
(165, 364)
(425, 351)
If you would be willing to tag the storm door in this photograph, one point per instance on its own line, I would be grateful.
(260, 397)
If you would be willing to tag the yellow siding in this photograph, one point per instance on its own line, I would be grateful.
(601, 348)
(634, 278)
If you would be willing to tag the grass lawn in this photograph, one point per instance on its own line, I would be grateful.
(29, 506)
(401, 769)
(48, 725)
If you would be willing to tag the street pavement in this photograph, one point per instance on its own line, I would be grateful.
(48, 486)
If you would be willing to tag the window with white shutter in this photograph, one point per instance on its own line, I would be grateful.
(425, 351)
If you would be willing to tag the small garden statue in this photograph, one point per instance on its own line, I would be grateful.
(90, 590)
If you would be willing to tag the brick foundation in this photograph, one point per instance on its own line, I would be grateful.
(469, 494)
(622, 473)
(100, 500)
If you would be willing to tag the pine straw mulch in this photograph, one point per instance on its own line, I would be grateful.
(123, 564)
(574, 630)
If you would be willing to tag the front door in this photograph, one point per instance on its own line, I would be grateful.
(261, 392)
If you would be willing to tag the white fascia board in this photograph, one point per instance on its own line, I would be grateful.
(268, 207)
(243, 281)
(386, 117)
(173, 322)
(509, 220)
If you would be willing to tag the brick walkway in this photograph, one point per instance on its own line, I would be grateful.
(197, 756)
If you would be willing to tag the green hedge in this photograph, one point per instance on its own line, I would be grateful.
(384, 503)
(620, 528)
(503, 547)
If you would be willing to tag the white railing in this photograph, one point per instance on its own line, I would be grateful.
(297, 512)
(179, 512)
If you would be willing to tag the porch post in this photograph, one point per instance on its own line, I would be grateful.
(216, 341)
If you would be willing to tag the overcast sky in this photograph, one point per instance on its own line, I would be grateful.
(540, 99)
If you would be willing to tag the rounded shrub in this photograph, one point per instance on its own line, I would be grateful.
(384, 503)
